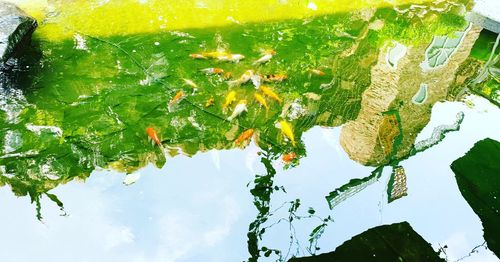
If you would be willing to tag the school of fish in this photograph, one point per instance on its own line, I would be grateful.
(263, 93)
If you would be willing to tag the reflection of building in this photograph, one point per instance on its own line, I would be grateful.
(438, 133)
(485, 14)
(397, 184)
(350, 189)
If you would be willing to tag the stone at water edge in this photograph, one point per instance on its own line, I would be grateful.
(16, 28)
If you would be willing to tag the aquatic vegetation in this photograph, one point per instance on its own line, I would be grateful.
(263, 187)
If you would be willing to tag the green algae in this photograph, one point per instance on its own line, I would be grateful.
(102, 93)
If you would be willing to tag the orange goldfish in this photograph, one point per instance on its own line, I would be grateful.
(287, 158)
(153, 135)
(270, 93)
(244, 136)
(177, 98)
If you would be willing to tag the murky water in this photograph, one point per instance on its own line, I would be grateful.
(351, 120)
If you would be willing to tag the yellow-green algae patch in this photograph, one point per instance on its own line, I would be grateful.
(125, 17)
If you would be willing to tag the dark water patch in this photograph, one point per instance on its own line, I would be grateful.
(396, 242)
(478, 178)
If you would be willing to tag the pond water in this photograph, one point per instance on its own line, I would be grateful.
(187, 212)
(335, 135)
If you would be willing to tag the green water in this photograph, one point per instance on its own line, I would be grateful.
(86, 102)
(95, 97)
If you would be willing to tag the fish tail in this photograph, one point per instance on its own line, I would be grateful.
(162, 148)
(233, 83)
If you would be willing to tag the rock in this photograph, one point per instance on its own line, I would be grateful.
(16, 28)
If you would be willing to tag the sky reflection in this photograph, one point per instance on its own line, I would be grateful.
(199, 208)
